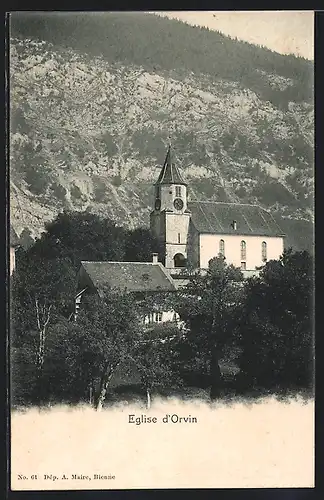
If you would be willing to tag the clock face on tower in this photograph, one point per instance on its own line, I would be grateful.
(157, 204)
(178, 204)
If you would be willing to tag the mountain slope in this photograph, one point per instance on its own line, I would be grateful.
(88, 132)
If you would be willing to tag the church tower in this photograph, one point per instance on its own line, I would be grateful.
(169, 220)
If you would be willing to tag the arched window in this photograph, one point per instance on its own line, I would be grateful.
(264, 251)
(222, 247)
(243, 250)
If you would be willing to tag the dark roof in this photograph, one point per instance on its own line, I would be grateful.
(14, 240)
(217, 218)
(169, 173)
(130, 276)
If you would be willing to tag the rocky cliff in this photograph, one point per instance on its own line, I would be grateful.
(89, 127)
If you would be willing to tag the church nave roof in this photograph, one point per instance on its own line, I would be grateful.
(219, 218)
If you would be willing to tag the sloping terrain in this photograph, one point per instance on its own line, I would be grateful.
(90, 122)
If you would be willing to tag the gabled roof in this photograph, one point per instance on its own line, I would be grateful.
(14, 240)
(218, 218)
(169, 173)
(129, 276)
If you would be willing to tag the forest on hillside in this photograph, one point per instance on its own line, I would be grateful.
(159, 44)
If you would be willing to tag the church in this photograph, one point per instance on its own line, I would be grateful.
(193, 232)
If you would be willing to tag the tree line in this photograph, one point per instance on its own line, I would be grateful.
(263, 325)
(169, 45)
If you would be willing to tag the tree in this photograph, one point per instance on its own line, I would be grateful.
(108, 329)
(140, 244)
(25, 238)
(277, 325)
(86, 236)
(42, 292)
(43, 289)
(81, 236)
(208, 306)
(154, 358)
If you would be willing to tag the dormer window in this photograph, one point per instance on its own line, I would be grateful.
(234, 225)
(178, 191)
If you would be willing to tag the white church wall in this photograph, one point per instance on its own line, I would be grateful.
(209, 248)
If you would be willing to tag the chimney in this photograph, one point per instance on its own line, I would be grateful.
(155, 257)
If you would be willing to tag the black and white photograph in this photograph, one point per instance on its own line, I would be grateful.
(161, 260)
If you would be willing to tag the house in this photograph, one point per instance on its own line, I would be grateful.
(13, 244)
(193, 232)
(139, 278)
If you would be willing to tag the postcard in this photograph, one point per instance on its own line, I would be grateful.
(161, 240)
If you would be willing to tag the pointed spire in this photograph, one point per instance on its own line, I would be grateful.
(169, 173)
(167, 160)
